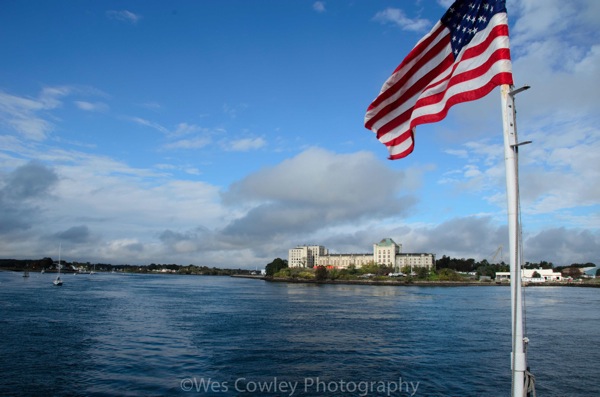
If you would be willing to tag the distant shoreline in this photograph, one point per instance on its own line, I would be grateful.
(395, 283)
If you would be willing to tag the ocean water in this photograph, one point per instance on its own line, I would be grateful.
(163, 335)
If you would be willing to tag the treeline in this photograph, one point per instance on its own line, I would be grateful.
(51, 265)
(27, 264)
(190, 269)
(471, 265)
(487, 269)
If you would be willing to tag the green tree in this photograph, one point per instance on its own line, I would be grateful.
(449, 275)
(573, 272)
(422, 272)
(486, 270)
(320, 273)
(276, 266)
(371, 267)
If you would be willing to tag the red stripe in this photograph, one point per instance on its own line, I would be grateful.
(477, 50)
(416, 52)
(472, 74)
(400, 139)
(404, 153)
(465, 96)
(417, 87)
(425, 57)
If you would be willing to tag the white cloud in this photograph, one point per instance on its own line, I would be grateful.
(319, 6)
(92, 107)
(315, 190)
(233, 110)
(193, 143)
(26, 115)
(124, 16)
(186, 129)
(397, 17)
(445, 3)
(244, 145)
(148, 123)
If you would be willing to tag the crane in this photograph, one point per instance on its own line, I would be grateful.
(498, 251)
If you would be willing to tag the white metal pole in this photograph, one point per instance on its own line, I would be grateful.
(518, 358)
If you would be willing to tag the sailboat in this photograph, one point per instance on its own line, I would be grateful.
(26, 273)
(57, 281)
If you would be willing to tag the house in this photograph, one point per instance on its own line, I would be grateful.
(528, 275)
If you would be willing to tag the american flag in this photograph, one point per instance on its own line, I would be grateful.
(461, 59)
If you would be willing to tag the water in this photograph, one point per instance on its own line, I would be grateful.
(162, 335)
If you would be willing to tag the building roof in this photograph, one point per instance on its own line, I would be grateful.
(386, 242)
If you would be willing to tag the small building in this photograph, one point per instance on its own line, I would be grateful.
(528, 275)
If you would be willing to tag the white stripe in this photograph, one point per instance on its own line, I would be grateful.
(466, 64)
(407, 104)
(394, 150)
(415, 77)
(466, 86)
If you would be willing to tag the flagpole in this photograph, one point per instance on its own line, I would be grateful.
(511, 149)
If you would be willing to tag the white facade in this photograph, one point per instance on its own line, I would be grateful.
(415, 260)
(387, 252)
(527, 275)
(306, 255)
(344, 261)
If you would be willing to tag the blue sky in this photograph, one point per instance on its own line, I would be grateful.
(223, 133)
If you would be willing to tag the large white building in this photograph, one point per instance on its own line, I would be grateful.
(386, 252)
(306, 255)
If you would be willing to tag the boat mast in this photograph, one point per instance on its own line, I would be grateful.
(59, 266)
(511, 150)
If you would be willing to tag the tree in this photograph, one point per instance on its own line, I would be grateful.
(276, 266)
(573, 272)
(449, 275)
(422, 272)
(486, 270)
(320, 273)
